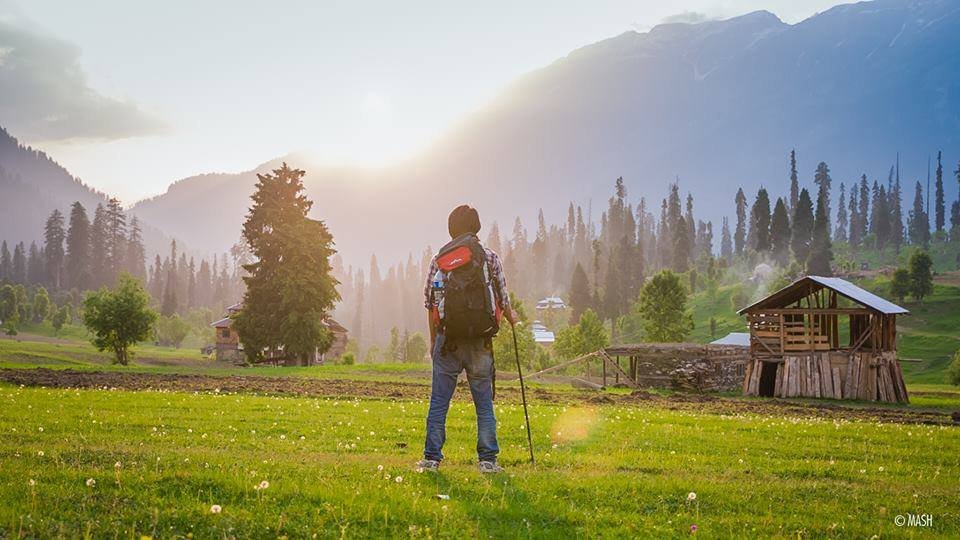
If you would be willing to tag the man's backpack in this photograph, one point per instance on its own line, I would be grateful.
(467, 308)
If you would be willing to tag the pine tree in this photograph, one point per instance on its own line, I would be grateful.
(855, 232)
(955, 220)
(822, 179)
(191, 301)
(116, 238)
(955, 209)
(895, 213)
(821, 253)
(35, 266)
(158, 279)
(169, 304)
(6, 264)
(726, 243)
(940, 209)
(864, 215)
(290, 288)
(78, 249)
(580, 298)
(794, 182)
(357, 329)
(663, 309)
(681, 247)
(19, 273)
(841, 233)
(802, 230)
(99, 254)
(493, 239)
(882, 219)
(780, 233)
(135, 258)
(918, 222)
(204, 284)
(739, 235)
(54, 236)
(760, 222)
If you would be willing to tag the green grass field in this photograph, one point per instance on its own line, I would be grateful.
(160, 461)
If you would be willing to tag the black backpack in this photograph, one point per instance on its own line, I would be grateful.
(468, 308)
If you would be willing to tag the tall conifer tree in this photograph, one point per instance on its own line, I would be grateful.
(802, 229)
(780, 233)
(290, 288)
(78, 249)
(939, 204)
(740, 233)
(53, 237)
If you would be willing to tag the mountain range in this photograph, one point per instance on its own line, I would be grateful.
(716, 105)
(32, 185)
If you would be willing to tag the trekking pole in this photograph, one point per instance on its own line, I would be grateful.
(523, 393)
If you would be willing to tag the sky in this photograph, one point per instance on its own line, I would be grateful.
(131, 96)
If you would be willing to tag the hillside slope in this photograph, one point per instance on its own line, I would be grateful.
(32, 185)
(719, 103)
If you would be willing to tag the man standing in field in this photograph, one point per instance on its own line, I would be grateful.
(465, 295)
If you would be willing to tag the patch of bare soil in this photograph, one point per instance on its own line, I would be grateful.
(348, 388)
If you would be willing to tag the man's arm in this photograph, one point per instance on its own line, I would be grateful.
(428, 301)
(500, 287)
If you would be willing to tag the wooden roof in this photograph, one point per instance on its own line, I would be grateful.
(806, 285)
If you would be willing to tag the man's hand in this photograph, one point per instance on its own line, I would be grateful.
(511, 317)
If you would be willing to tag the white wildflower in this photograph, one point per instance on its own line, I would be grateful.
(691, 496)
(91, 482)
(216, 509)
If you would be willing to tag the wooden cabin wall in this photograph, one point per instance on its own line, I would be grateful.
(864, 376)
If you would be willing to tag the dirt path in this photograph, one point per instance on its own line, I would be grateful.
(348, 388)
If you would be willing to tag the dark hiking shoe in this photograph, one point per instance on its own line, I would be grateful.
(489, 467)
(428, 465)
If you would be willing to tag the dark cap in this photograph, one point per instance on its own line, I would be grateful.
(463, 220)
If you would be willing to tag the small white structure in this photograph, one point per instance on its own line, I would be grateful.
(541, 335)
(551, 302)
(734, 338)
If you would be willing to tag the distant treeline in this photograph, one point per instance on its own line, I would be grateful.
(79, 254)
(603, 267)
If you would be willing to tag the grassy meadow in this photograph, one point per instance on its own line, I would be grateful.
(204, 464)
(104, 463)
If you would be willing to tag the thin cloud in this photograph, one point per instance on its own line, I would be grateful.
(690, 17)
(46, 96)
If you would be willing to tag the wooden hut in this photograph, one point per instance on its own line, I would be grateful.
(230, 349)
(824, 337)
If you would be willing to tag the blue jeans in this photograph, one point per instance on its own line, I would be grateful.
(449, 359)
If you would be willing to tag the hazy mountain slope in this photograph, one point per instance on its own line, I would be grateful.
(719, 103)
(32, 185)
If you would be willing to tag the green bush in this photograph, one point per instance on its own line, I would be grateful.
(953, 372)
(348, 359)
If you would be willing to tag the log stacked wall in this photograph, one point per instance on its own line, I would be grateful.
(865, 376)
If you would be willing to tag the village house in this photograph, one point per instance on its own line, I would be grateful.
(541, 335)
(824, 337)
(551, 303)
(229, 349)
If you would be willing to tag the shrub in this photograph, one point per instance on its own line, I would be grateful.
(119, 318)
(348, 359)
(953, 372)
